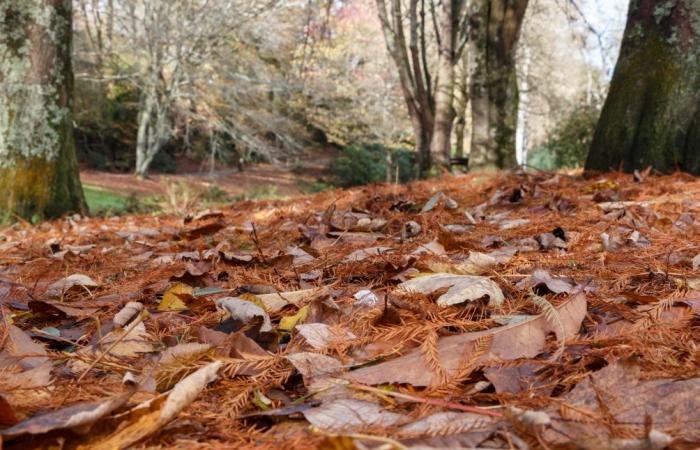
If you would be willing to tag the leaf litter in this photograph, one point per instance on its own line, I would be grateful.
(519, 310)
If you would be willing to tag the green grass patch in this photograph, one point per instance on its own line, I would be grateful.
(101, 201)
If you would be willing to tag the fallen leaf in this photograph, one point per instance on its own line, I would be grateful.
(432, 203)
(277, 301)
(63, 285)
(620, 392)
(514, 379)
(171, 298)
(542, 279)
(452, 423)
(79, 416)
(365, 297)
(244, 311)
(7, 413)
(150, 417)
(348, 415)
(287, 323)
(127, 313)
(320, 335)
(525, 339)
(461, 288)
(312, 365)
(364, 253)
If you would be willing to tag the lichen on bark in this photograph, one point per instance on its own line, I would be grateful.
(38, 169)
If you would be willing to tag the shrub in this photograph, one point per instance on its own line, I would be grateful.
(367, 163)
(568, 144)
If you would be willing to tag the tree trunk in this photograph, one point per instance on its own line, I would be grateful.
(38, 166)
(494, 90)
(462, 103)
(440, 145)
(651, 116)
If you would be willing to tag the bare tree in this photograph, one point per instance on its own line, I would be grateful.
(38, 169)
(429, 97)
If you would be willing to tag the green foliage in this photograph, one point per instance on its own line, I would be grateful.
(215, 195)
(313, 187)
(106, 125)
(263, 192)
(367, 163)
(568, 144)
(164, 162)
(104, 203)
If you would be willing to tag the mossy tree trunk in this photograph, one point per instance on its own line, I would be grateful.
(494, 88)
(38, 167)
(651, 115)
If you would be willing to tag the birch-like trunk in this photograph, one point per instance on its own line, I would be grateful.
(38, 168)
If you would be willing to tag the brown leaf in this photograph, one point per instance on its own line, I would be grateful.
(524, 339)
(7, 413)
(620, 392)
(79, 416)
(541, 279)
(150, 417)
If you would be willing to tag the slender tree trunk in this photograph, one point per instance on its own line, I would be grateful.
(494, 91)
(651, 116)
(38, 167)
(440, 145)
(461, 105)
(522, 134)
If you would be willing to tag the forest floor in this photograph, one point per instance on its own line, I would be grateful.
(492, 311)
(272, 180)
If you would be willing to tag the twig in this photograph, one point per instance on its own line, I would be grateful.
(256, 241)
(131, 327)
(429, 401)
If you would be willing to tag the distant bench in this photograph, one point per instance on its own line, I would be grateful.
(464, 162)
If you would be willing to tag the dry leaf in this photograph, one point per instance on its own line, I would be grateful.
(348, 414)
(244, 311)
(127, 313)
(311, 365)
(171, 299)
(277, 301)
(287, 323)
(64, 284)
(79, 417)
(184, 353)
(524, 339)
(364, 253)
(150, 417)
(541, 278)
(450, 422)
(320, 335)
(462, 288)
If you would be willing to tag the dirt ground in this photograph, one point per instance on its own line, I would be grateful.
(286, 181)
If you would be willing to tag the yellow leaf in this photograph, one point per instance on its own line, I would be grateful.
(171, 301)
(254, 299)
(287, 323)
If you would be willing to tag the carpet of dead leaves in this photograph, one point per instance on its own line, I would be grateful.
(479, 311)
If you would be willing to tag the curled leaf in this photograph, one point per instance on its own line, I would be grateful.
(461, 288)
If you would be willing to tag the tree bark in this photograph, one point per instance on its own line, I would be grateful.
(440, 145)
(494, 90)
(38, 166)
(651, 116)
(413, 86)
